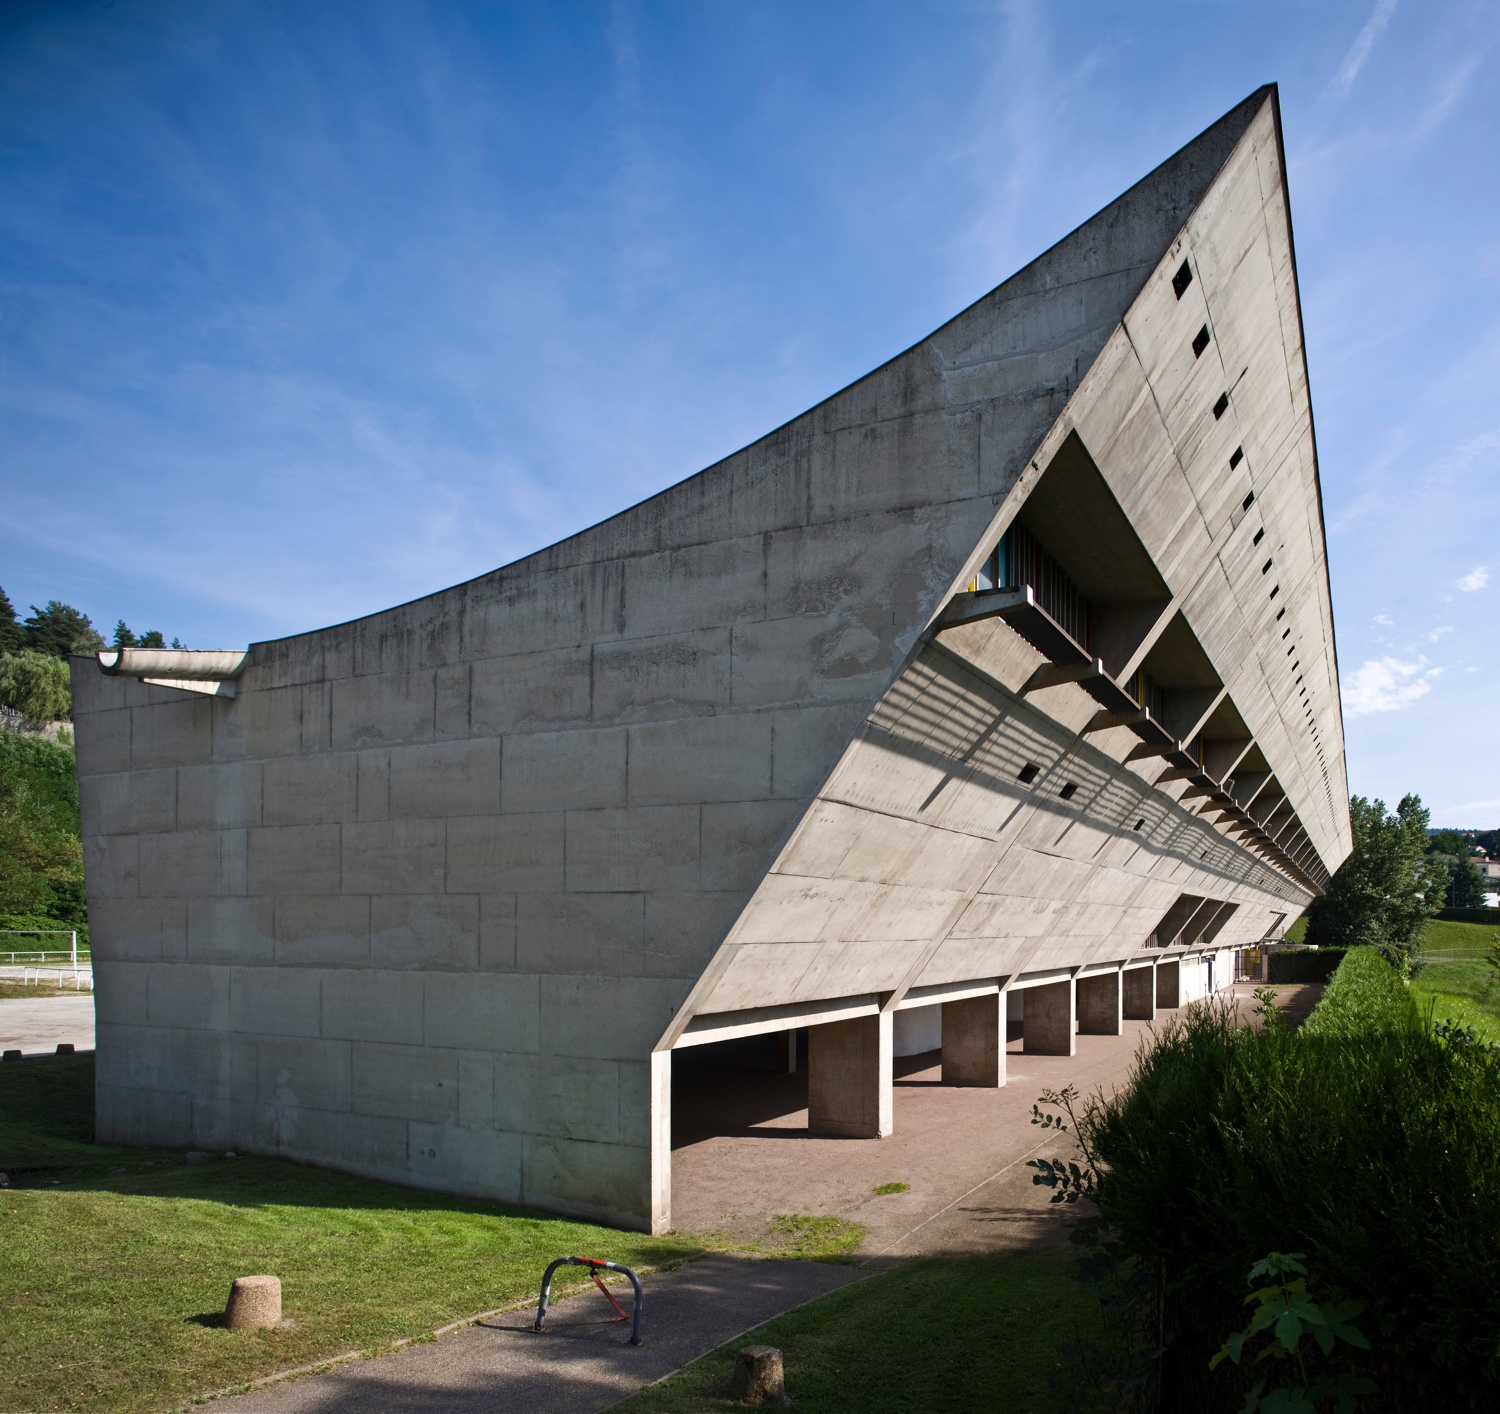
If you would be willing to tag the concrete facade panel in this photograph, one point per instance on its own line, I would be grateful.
(471, 865)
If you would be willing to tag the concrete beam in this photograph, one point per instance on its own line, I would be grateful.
(974, 1042)
(1049, 1019)
(849, 1078)
(1099, 1005)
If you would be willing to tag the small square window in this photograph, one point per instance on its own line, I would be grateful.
(1028, 773)
(1200, 342)
(1182, 279)
(1069, 790)
(1221, 407)
(1140, 824)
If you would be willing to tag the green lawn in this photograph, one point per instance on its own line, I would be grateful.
(116, 1261)
(935, 1334)
(1456, 979)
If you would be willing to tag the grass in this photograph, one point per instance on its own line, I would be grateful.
(117, 1261)
(935, 1334)
(1455, 981)
(885, 1188)
(12, 988)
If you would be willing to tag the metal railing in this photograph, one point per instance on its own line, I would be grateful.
(42, 954)
(35, 976)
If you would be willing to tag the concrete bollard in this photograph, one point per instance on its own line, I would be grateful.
(65, 1048)
(758, 1376)
(254, 1304)
(13, 1055)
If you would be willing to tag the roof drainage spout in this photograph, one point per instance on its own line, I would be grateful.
(189, 670)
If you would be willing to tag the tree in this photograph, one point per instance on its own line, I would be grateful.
(41, 859)
(36, 685)
(1465, 884)
(1447, 842)
(60, 629)
(124, 638)
(11, 636)
(1384, 893)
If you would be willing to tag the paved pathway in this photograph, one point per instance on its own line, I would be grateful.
(582, 1363)
(34, 1025)
(742, 1153)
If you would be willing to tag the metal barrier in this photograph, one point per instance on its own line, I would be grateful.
(80, 975)
(595, 1266)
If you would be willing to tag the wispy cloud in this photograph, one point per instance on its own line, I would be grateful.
(1477, 578)
(1359, 51)
(1385, 620)
(1387, 685)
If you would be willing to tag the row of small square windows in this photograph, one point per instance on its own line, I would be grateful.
(1180, 282)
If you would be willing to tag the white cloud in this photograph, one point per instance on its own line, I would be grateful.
(1385, 619)
(1437, 633)
(1359, 51)
(1387, 685)
(1477, 578)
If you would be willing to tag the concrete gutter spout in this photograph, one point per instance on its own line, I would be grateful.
(189, 670)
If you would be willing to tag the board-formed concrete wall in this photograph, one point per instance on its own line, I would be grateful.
(435, 895)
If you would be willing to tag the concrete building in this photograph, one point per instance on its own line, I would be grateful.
(998, 689)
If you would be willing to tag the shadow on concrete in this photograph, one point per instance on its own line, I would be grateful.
(583, 1362)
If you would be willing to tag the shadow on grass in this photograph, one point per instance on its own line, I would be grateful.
(46, 1141)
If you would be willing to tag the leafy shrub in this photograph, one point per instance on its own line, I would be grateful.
(41, 857)
(36, 685)
(1364, 1140)
(1366, 997)
(1303, 964)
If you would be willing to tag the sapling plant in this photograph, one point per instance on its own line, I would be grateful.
(1285, 1314)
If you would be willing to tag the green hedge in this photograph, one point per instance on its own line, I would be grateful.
(1470, 915)
(1365, 998)
(1302, 964)
(1364, 1140)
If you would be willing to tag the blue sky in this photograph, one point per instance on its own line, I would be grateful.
(306, 310)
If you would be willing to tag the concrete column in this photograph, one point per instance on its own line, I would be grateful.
(661, 1141)
(849, 1078)
(786, 1052)
(1099, 1007)
(1139, 993)
(1169, 984)
(974, 1042)
(1049, 1019)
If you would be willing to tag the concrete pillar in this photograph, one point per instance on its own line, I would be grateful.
(1169, 984)
(849, 1078)
(1049, 1019)
(974, 1042)
(1099, 1009)
(1139, 993)
(661, 1141)
(786, 1052)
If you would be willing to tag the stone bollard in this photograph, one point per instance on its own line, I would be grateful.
(254, 1304)
(65, 1048)
(758, 1376)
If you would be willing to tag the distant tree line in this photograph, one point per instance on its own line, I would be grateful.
(1466, 886)
(34, 653)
